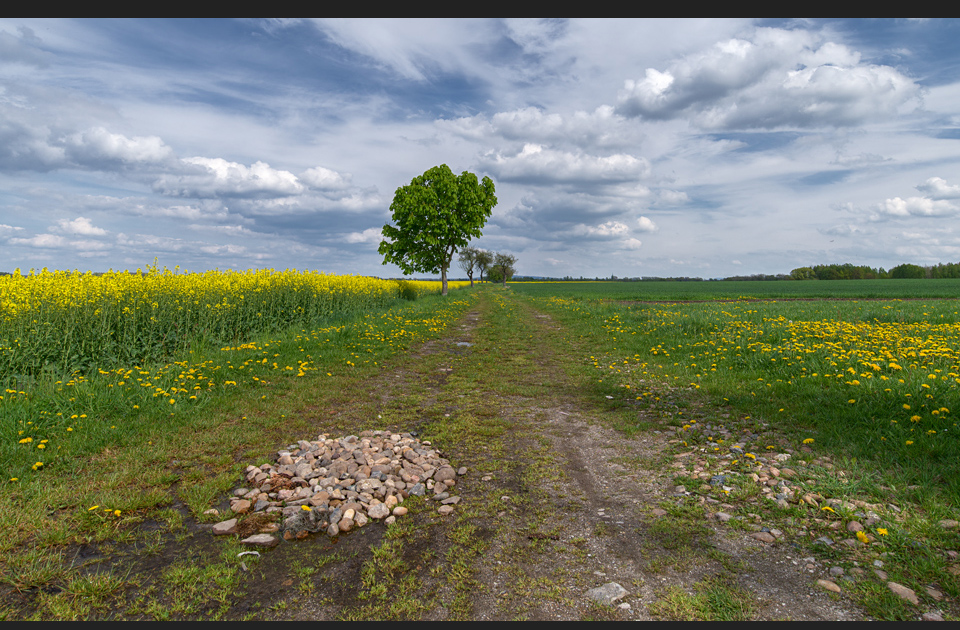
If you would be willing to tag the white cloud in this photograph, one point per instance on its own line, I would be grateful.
(540, 165)
(40, 240)
(775, 78)
(324, 178)
(646, 225)
(609, 229)
(937, 188)
(209, 177)
(93, 146)
(371, 235)
(80, 226)
(916, 207)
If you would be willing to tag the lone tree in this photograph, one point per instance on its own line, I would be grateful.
(503, 267)
(436, 215)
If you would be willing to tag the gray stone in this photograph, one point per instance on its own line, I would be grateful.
(224, 528)
(261, 540)
(607, 594)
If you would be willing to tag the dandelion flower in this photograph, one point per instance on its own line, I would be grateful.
(882, 531)
(827, 508)
(92, 508)
(909, 442)
(862, 537)
(808, 441)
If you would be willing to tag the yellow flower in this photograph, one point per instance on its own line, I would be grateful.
(116, 512)
(827, 508)
(92, 508)
(882, 531)
(808, 441)
(907, 407)
(862, 537)
(909, 442)
(26, 440)
(305, 508)
(915, 418)
(41, 446)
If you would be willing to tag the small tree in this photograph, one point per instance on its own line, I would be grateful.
(484, 261)
(503, 267)
(468, 261)
(436, 215)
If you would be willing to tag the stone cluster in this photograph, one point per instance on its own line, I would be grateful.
(337, 484)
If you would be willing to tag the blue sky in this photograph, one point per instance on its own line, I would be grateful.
(630, 147)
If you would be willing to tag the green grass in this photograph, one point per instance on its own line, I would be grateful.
(736, 289)
(874, 381)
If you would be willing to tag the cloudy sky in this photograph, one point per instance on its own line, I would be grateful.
(636, 148)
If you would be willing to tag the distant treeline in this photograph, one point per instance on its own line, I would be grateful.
(845, 271)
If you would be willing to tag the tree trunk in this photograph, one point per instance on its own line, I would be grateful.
(443, 277)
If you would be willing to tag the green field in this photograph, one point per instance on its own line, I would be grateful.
(861, 396)
(733, 290)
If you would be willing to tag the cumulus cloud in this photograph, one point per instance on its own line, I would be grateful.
(916, 207)
(324, 179)
(774, 78)
(937, 188)
(214, 177)
(941, 200)
(371, 235)
(610, 229)
(536, 164)
(646, 225)
(96, 145)
(79, 226)
(26, 145)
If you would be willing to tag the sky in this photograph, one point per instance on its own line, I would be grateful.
(705, 148)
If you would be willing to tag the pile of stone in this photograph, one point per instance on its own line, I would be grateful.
(337, 484)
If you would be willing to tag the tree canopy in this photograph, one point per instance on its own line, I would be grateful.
(436, 215)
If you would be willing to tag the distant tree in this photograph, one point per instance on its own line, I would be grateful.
(503, 267)
(803, 273)
(908, 271)
(435, 215)
(468, 261)
(484, 261)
